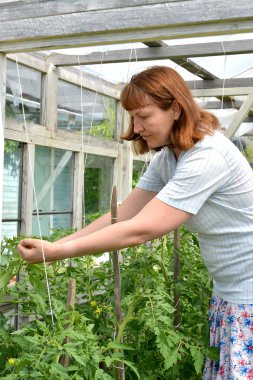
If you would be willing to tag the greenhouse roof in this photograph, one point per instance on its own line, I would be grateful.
(208, 42)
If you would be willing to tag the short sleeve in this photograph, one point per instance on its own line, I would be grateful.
(199, 174)
(158, 172)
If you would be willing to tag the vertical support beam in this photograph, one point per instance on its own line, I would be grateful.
(27, 189)
(123, 168)
(239, 116)
(123, 171)
(49, 94)
(78, 189)
(2, 123)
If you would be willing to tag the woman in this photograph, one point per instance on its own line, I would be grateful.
(197, 178)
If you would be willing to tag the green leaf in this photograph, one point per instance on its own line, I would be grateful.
(75, 356)
(39, 287)
(133, 368)
(198, 359)
(171, 358)
(119, 346)
(5, 279)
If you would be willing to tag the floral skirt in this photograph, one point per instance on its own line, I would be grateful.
(231, 329)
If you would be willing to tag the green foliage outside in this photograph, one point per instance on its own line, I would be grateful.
(106, 128)
(153, 348)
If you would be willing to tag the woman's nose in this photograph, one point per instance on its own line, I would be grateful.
(138, 127)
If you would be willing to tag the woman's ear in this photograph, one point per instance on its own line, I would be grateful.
(176, 109)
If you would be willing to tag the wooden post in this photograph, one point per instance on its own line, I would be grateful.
(2, 124)
(176, 274)
(71, 295)
(119, 367)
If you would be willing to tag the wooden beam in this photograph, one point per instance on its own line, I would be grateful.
(49, 95)
(154, 53)
(78, 190)
(61, 139)
(16, 10)
(220, 83)
(92, 82)
(169, 20)
(219, 87)
(239, 116)
(27, 188)
(2, 122)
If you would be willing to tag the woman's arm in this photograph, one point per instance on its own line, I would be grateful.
(135, 201)
(154, 220)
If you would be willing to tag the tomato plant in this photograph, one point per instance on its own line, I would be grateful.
(153, 348)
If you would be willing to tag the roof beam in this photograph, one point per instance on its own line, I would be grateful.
(16, 10)
(155, 53)
(127, 24)
(219, 87)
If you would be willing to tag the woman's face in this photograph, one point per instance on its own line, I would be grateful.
(154, 124)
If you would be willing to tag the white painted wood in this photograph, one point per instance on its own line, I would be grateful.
(78, 190)
(2, 122)
(49, 98)
(27, 189)
(169, 20)
(239, 116)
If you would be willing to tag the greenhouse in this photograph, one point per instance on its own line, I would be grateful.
(140, 312)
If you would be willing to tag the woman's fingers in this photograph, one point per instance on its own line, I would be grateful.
(32, 250)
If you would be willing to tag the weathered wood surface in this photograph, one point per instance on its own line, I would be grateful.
(12, 10)
(61, 139)
(239, 116)
(78, 190)
(49, 95)
(2, 123)
(220, 83)
(27, 188)
(125, 24)
(155, 53)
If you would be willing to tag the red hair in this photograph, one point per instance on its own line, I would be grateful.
(163, 85)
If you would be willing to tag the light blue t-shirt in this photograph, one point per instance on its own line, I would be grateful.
(213, 182)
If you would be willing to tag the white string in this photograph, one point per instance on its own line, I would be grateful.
(34, 192)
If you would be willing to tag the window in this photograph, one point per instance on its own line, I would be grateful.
(92, 113)
(30, 90)
(11, 189)
(53, 176)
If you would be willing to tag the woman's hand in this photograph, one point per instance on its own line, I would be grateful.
(32, 250)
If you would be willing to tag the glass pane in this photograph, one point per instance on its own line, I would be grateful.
(9, 229)
(11, 185)
(50, 222)
(29, 90)
(98, 179)
(92, 113)
(53, 186)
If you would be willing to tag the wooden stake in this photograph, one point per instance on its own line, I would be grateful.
(71, 295)
(176, 274)
(120, 371)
